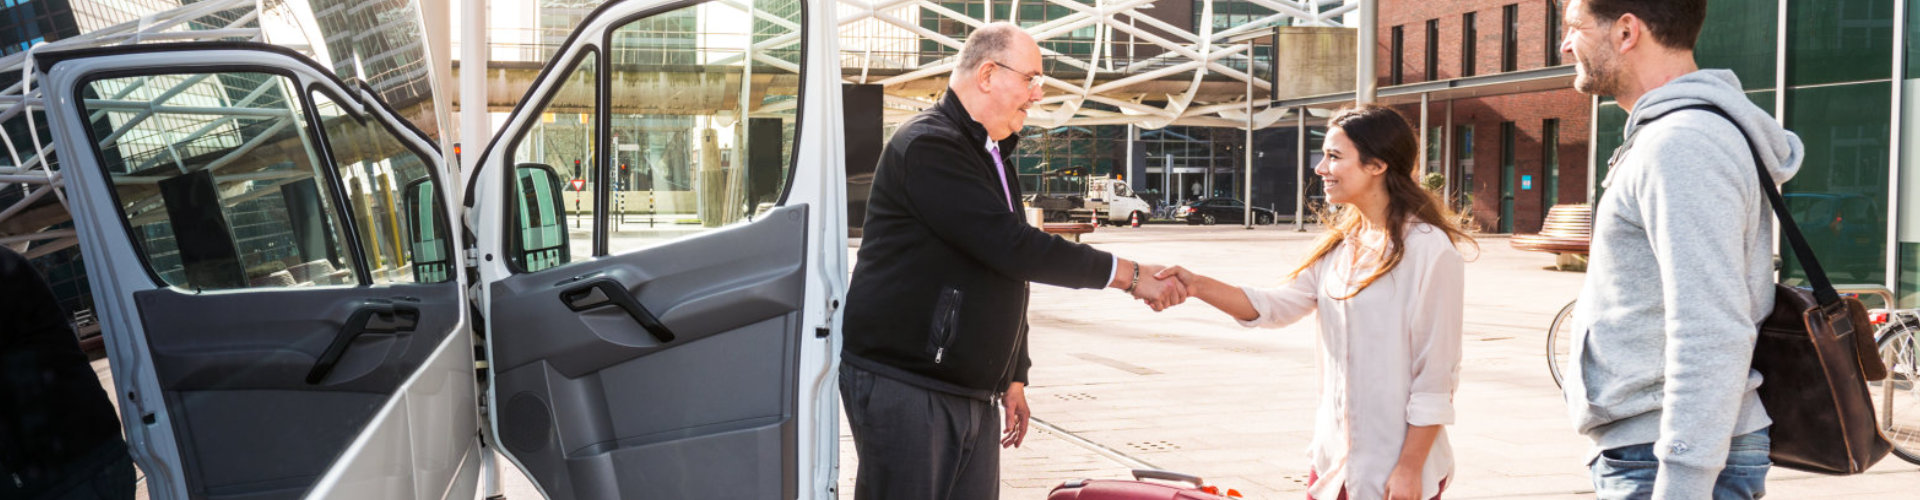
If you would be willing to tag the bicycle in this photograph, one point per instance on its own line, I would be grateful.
(1898, 396)
(1559, 334)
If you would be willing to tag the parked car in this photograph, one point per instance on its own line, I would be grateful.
(1211, 211)
(299, 303)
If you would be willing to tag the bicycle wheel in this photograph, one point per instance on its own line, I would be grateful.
(1898, 397)
(1559, 338)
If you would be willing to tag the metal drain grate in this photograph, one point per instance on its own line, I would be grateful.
(1076, 396)
(1153, 446)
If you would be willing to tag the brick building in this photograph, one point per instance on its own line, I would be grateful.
(1504, 123)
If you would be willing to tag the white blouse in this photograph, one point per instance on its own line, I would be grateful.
(1389, 358)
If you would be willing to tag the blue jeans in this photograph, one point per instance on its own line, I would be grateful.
(1627, 472)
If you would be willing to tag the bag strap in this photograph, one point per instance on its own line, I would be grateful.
(1822, 288)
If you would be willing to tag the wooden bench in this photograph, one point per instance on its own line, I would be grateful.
(1567, 233)
(1070, 229)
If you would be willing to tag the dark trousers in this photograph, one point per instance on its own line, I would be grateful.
(918, 444)
(105, 474)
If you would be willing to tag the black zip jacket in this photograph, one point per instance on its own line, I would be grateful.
(939, 293)
(56, 424)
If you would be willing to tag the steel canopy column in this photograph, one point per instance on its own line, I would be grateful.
(1249, 162)
(1300, 174)
(1363, 74)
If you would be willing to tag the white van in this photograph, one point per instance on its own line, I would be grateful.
(296, 298)
(1113, 202)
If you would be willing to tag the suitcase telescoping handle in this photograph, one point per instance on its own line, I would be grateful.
(1169, 476)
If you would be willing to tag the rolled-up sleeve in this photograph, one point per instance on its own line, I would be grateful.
(1286, 304)
(1434, 338)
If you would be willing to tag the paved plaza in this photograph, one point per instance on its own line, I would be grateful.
(1116, 385)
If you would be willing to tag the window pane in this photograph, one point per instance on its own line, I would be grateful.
(1463, 163)
(562, 141)
(1839, 41)
(375, 168)
(1510, 37)
(1609, 134)
(1740, 35)
(1846, 166)
(1469, 36)
(1432, 49)
(1550, 165)
(1912, 69)
(218, 180)
(1435, 153)
(1556, 11)
(684, 158)
(1908, 251)
(1398, 53)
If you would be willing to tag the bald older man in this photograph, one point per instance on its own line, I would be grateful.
(936, 314)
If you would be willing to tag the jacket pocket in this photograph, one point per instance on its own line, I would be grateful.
(945, 323)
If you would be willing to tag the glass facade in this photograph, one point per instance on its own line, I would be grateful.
(1187, 163)
(1838, 74)
(381, 42)
(1045, 154)
(1741, 35)
(1832, 41)
(24, 23)
(1839, 198)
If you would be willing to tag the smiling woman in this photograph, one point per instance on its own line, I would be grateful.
(1385, 278)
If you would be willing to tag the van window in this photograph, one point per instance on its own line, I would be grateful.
(705, 105)
(219, 183)
(374, 166)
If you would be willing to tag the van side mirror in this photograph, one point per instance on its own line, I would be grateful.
(539, 238)
(426, 236)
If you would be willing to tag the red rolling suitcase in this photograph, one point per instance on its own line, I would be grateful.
(1167, 486)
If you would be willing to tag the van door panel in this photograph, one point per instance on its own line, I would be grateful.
(681, 347)
(220, 248)
(591, 401)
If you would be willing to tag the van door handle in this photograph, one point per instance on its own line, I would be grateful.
(376, 316)
(603, 291)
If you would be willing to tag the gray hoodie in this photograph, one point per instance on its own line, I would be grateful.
(1681, 271)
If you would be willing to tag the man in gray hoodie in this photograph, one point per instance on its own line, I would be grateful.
(1681, 267)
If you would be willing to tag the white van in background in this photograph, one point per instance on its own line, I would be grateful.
(1113, 202)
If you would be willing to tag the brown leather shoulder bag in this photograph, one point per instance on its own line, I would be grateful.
(1816, 354)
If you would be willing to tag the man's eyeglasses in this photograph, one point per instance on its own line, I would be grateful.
(1033, 80)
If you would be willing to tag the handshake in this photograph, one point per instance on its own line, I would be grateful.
(1161, 287)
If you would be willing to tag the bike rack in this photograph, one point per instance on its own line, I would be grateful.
(1886, 295)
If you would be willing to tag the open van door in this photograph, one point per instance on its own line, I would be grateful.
(268, 249)
(660, 252)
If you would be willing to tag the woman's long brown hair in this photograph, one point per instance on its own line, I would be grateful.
(1380, 133)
